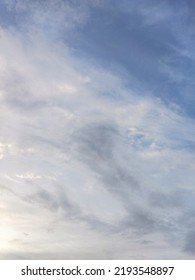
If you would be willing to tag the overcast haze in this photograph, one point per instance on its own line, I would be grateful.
(97, 133)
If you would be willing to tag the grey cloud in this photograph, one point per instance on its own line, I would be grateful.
(190, 242)
(161, 213)
(23, 103)
(140, 222)
(54, 201)
(97, 141)
(19, 93)
(162, 200)
(97, 145)
(43, 198)
(70, 210)
(46, 199)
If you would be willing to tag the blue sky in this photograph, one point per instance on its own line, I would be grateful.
(97, 129)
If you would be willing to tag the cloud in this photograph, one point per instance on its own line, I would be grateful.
(91, 166)
(189, 245)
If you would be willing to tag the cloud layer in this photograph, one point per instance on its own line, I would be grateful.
(96, 143)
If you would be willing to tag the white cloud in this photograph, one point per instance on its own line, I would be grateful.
(28, 176)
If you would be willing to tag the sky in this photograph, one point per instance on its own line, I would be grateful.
(97, 129)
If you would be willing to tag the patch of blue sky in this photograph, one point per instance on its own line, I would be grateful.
(7, 17)
(146, 51)
(117, 41)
